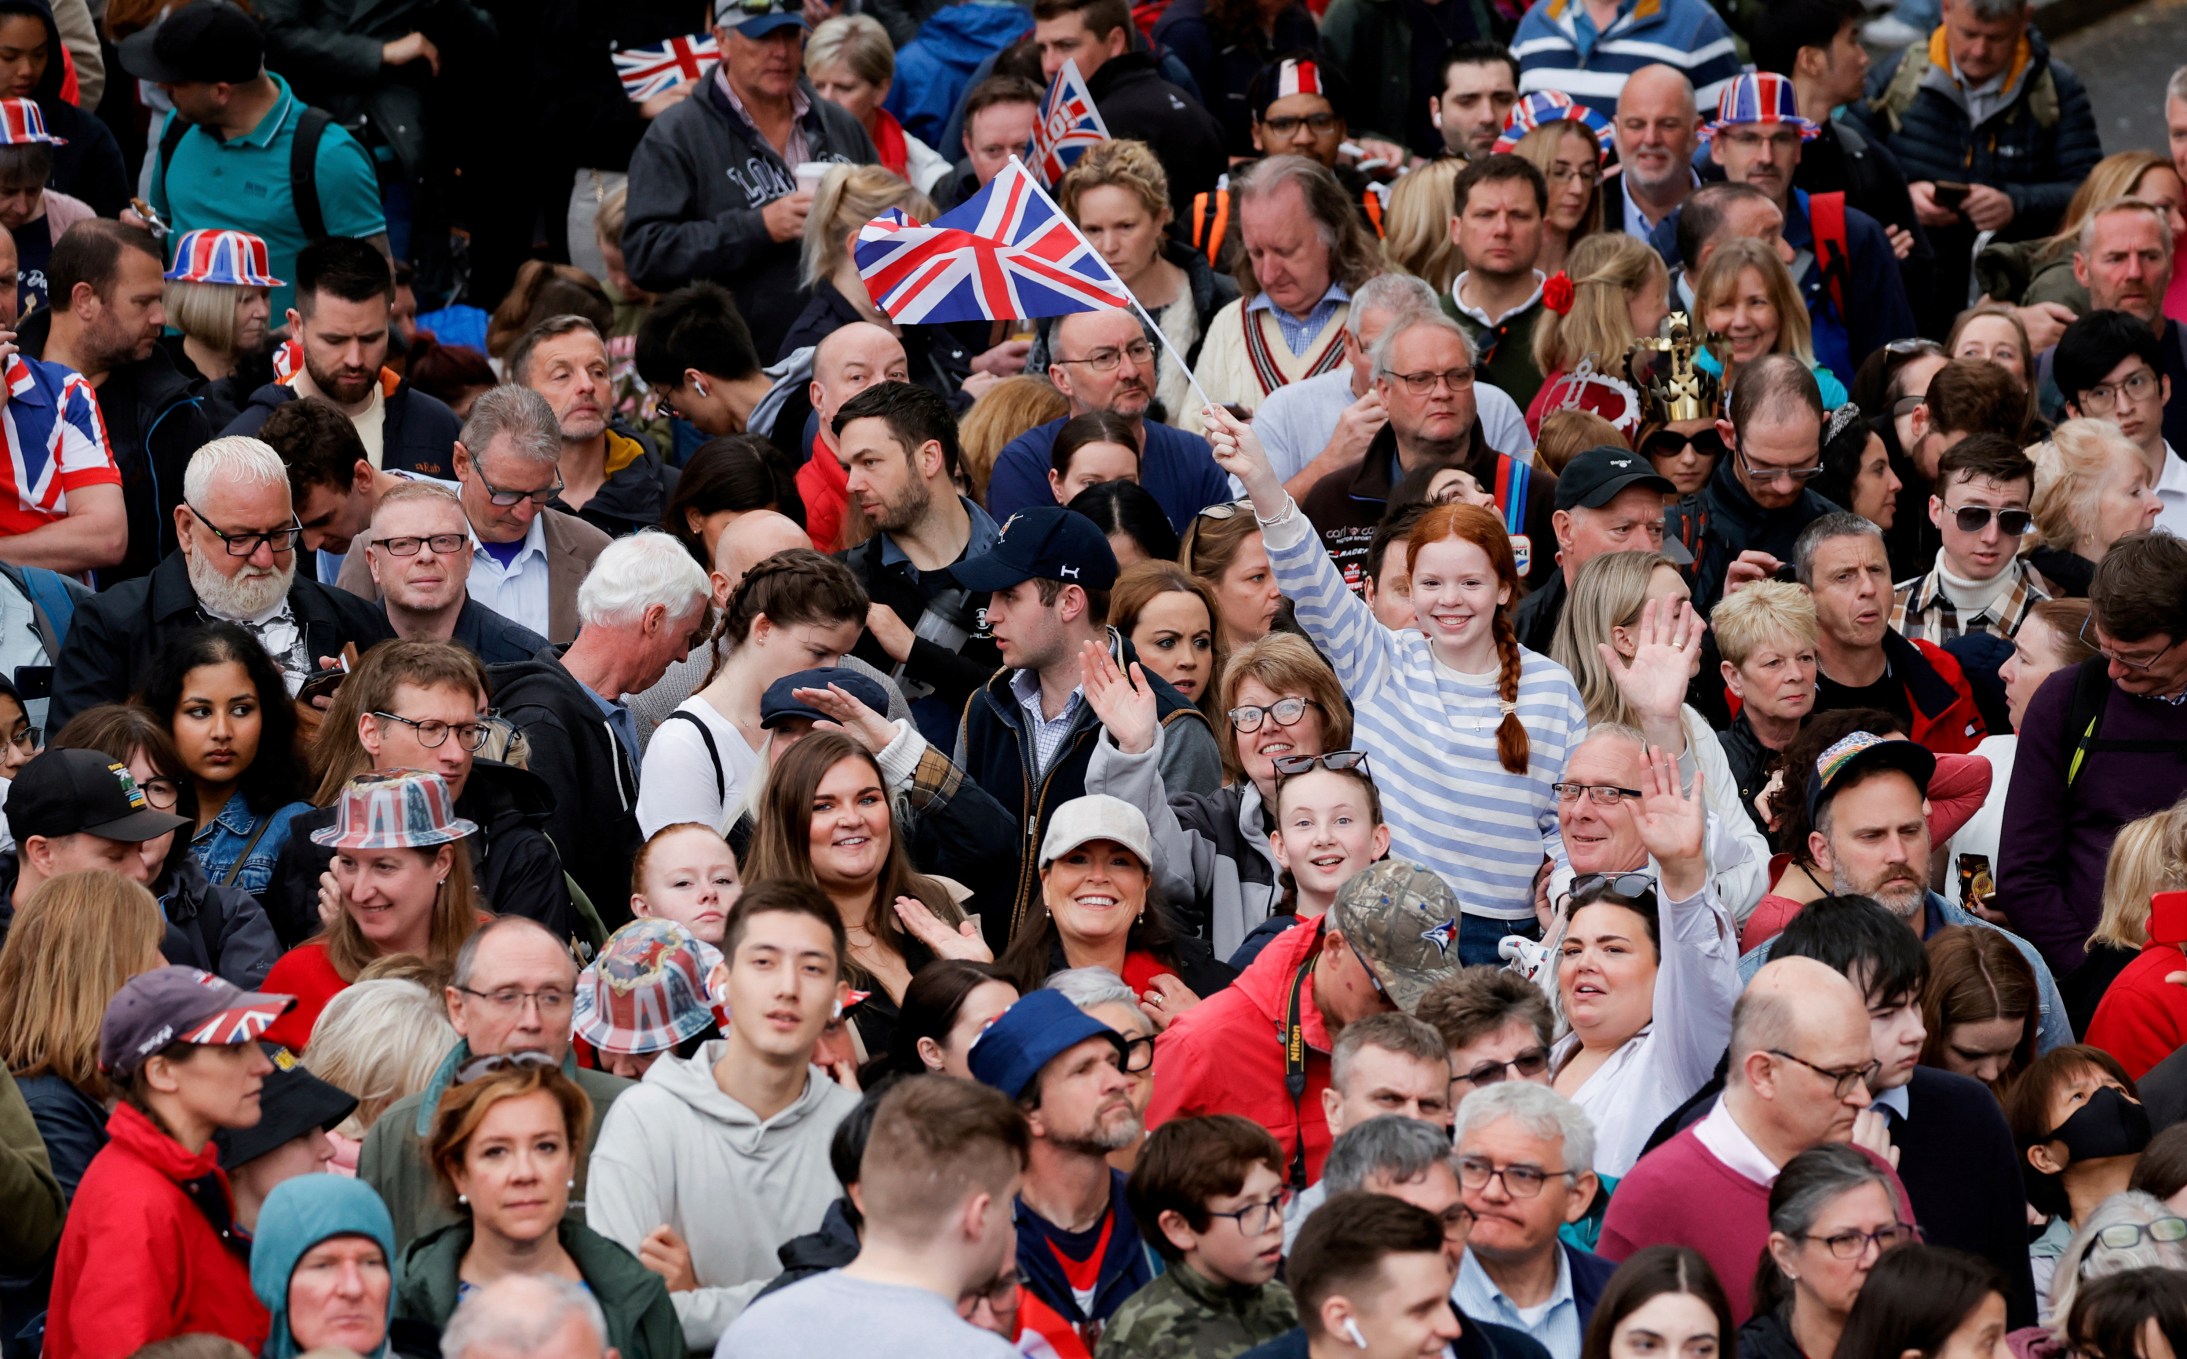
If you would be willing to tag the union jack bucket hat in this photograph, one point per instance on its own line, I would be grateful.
(222, 256)
(1760, 97)
(22, 122)
(180, 1005)
(646, 991)
(399, 809)
(1544, 107)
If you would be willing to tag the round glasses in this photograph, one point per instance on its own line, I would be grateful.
(1285, 711)
(433, 733)
(1255, 1218)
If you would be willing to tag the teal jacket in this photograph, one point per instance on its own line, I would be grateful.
(641, 1320)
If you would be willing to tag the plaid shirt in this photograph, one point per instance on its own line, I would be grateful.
(1047, 732)
(1923, 612)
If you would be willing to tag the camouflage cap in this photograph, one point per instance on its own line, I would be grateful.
(1403, 920)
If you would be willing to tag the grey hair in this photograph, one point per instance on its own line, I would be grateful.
(236, 458)
(1619, 730)
(520, 1315)
(1433, 320)
(521, 414)
(1271, 173)
(635, 573)
(1825, 1173)
(2123, 203)
(467, 956)
(2176, 87)
(1842, 524)
(380, 1040)
(2085, 1260)
(1540, 1111)
(1396, 294)
(1087, 987)
(1399, 1148)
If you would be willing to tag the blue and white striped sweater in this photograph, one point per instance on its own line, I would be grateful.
(1559, 49)
(1450, 804)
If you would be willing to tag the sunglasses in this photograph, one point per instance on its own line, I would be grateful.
(1527, 1065)
(1669, 443)
(1336, 762)
(1975, 518)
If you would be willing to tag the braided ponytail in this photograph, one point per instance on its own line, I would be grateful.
(1511, 743)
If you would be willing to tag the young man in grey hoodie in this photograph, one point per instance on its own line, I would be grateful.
(713, 1162)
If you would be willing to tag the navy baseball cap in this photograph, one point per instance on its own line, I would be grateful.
(1041, 1027)
(779, 704)
(1597, 476)
(1865, 750)
(1046, 542)
(758, 18)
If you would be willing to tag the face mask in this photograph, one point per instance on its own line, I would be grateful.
(2110, 1124)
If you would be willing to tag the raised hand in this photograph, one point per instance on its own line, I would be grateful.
(847, 712)
(1674, 827)
(1124, 703)
(1238, 451)
(963, 942)
(1653, 684)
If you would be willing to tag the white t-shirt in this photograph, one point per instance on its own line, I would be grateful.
(682, 780)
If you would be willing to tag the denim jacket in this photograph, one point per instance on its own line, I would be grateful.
(222, 842)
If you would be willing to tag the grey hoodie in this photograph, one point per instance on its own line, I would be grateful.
(676, 1150)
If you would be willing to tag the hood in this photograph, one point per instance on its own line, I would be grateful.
(528, 681)
(1266, 981)
(496, 792)
(791, 374)
(832, 1247)
(298, 1215)
(973, 30)
(129, 1129)
(56, 72)
(637, 480)
(691, 1079)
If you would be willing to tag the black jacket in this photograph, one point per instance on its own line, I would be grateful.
(952, 675)
(588, 116)
(1841, 160)
(1476, 1340)
(212, 925)
(1720, 521)
(88, 165)
(153, 425)
(494, 638)
(517, 870)
(1767, 1335)
(1137, 103)
(115, 635)
(592, 781)
(221, 399)
(1224, 61)
(935, 356)
(1538, 614)
(329, 50)
(832, 1247)
(636, 491)
(1751, 764)
(419, 435)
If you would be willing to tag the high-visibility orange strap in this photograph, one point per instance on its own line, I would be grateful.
(1372, 202)
(1222, 224)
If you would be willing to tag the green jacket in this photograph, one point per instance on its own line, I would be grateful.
(2018, 272)
(30, 1198)
(641, 1320)
(393, 1159)
(1182, 1315)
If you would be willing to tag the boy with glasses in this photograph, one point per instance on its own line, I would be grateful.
(2108, 366)
(1980, 582)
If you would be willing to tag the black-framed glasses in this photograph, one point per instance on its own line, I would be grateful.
(1320, 124)
(1336, 762)
(1285, 711)
(1255, 1218)
(1850, 1245)
(1601, 794)
(1975, 518)
(161, 792)
(1105, 360)
(1767, 475)
(1527, 1065)
(433, 733)
(1420, 384)
(244, 544)
(2103, 398)
(500, 1061)
(407, 545)
(1632, 887)
(1139, 1054)
(1842, 1079)
(552, 1001)
(1002, 1297)
(2127, 1235)
(1669, 443)
(1521, 1181)
(2138, 664)
(511, 499)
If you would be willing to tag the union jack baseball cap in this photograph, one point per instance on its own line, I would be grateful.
(23, 122)
(1760, 97)
(646, 991)
(180, 1005)
(394, 809)
(221, 256)
(1544, 107)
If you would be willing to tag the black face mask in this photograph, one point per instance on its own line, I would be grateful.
(2110, 1124)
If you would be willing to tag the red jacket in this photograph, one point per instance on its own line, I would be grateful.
(1225, 1055)
(1945, 718)
(2142, 1018)
(825, 488)
(139, 1260)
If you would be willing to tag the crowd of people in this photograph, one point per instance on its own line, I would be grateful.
(1445, 783)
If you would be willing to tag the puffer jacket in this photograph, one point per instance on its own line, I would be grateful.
(214, 926)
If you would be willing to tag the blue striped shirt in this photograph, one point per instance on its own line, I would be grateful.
(1450, 804)
(1559, 48)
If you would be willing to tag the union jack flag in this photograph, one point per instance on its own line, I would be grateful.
(647, 71)
(1069, 123)
(1007, 253)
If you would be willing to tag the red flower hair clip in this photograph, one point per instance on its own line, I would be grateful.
(1557, 293)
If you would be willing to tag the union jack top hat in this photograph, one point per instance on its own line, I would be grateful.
(646, 991)
(396, 809)
(1760, 97)
(1544, 107)
(180, 1005)
(232, 257)
(22, 122)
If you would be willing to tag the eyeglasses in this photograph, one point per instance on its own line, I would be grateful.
(1585, 172)
(1766, 475)
(1457, 1221)
(161, 793)
(1520, 1181)
(2102, 398)
(1530, 1063)
(1105, 360)
(2134, 663)
(1843, 1080)
(1601, 794)
(1975, 518)
(500, 1061)
(1003, 1297)
(1321, 124)
(1336, 762)
(27, 738)
(1853, 1245)
(1286, 712)
(1364, 965)
(1669, 443)
(433, 733)
(244, 544)
(1420, 384)
(1255, 1218)
(551, 1001)
(511, 499)
(1138, 1055)
(2127, 1235)
(443, 544)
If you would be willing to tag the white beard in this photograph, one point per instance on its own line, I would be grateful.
(248, 594)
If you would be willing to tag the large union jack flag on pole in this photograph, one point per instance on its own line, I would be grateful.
(1008, 253)
(1069, 123)
(647, 71)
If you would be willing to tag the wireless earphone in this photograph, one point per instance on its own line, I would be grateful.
(1351, 1332)
(837, 1012)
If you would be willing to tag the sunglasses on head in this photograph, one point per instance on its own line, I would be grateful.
(1336, 762)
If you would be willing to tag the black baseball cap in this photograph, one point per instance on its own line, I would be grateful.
(64, 792)
(780, 703)
(1597, 476)
(205, 41)
(291, 1103)
(1046, 542)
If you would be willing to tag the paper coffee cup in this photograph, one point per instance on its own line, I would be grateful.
(810, 173)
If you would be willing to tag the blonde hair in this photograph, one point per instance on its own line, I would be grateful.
(850, 196)
(73, 944)
(1010, 407)
(1568, 433)
(1416, 224)
(856, 40)
(455, 917)
(1755, 615)
(1733, 258)
(1607, 271)
(1609, 592)
(380, 1040)
(607, 224)
(1539, 149)
(2147, 856)
(1126, 165)
(206, 311)
(2072, 469)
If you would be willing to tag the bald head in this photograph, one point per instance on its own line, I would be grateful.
(850, 359)
(1801, 1053)
(752, 539)
(1658, 128)
(1791, 999)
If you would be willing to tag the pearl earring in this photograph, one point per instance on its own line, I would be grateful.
(462, 1199)
(573, 1184)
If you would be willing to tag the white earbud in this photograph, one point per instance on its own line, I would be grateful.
(1351, 1333)
(837, 1012)
(701, 386)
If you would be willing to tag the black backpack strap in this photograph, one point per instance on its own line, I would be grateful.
(311, 126)
(2083, 730)
(713, 752)
(170, 138)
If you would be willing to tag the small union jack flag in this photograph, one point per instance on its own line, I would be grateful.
(647, 71)
(1007, 253)
(1069, 123)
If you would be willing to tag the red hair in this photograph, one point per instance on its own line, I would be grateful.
(1478, 526)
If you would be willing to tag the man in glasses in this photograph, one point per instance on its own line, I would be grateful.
(1608, 500)
(1979, 583)
(1385, 1064)
(1744, 522)
(2124, 259)
(2101, 744)
(419, 557)
(237, 525)
(1296, 109)
(2109, 367)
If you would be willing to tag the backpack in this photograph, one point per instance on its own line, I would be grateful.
(311, 127)
(1913, 68)
(2084, 721)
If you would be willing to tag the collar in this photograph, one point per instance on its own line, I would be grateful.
(622, 451)
(1897, 1099)
(984, 534)
(1724, 1139)
(1025, 688)
(277, 117)
(280, 609)
(1219, 1298)
(1457, 288)
(1478, 1294)
(535, 542)
(1940, 56)
(2173, 479)
(1336, 292)
(800, 104)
